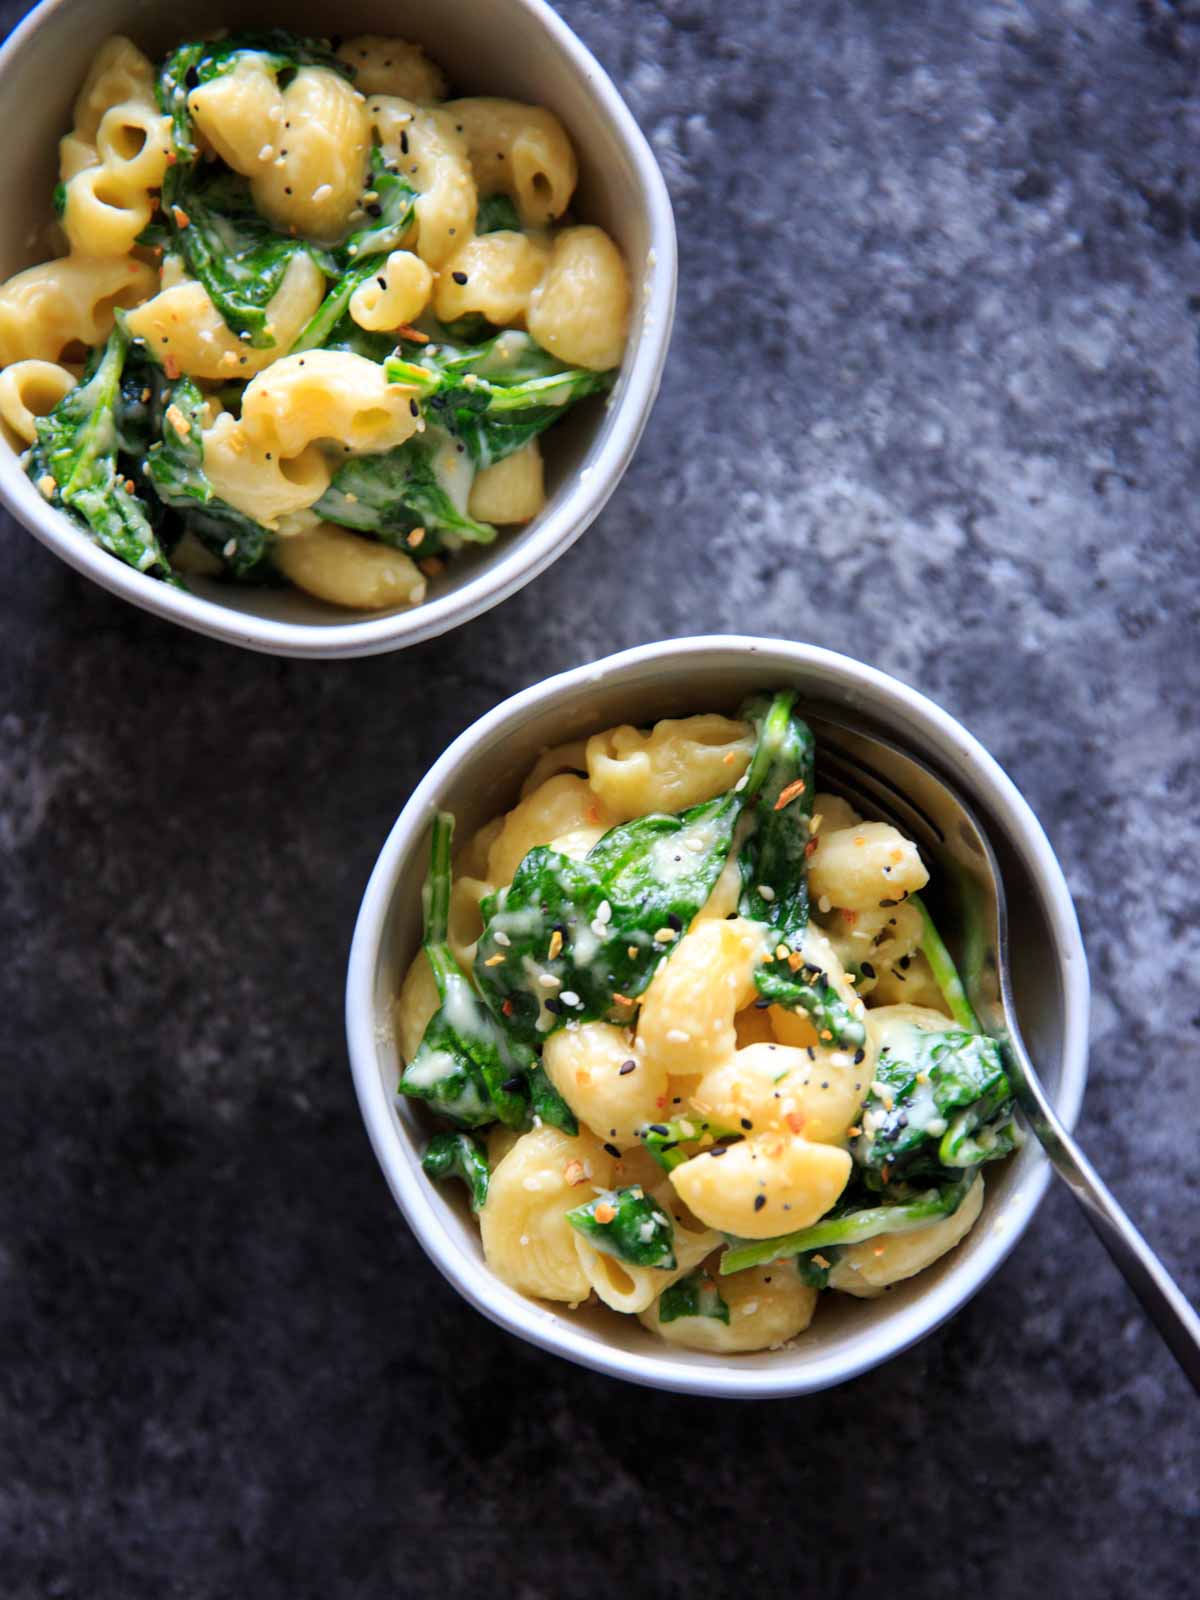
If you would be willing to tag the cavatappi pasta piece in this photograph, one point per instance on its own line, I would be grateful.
(767, 1184)
(513, 490)
(629, 1288)
(603, 1077)
(677, 763)
(767, 1086)
(767, 1307)
(426, 147)
(303, 148)
(521, 151)
(48, 311)
(687, 1019)
(383, 65)
(328, 394)
(858, 867)
(115, 154)
(251, 472)
(580, 309)
(415, 1004)
(28, 390)
(397, 295)
(558, 807)
(867, 1269)
(527, 1240)
(339, 567)
(492, 276)
(188, 334)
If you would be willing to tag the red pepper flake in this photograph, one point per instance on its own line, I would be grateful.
(171, 366)
(623, 1000)
(182, 220)
(811, 846)
(507, 1008)
(792, 792)
(605, 1212)
(413, 335)
(795, 1121)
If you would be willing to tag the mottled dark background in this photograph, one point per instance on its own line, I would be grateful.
(932, 400)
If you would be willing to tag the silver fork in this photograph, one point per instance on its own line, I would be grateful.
(886, 783)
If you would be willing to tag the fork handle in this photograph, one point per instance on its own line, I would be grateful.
(1162, 1299)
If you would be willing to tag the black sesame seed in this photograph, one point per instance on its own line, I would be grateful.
(812, 1054)
(761, 1005)
(889, 903)
(555, 1007)
(626, 1068)
(718, 1150)
(403, 144)
(858, 1056)
(512, 1085)
(825, 1084)
(674, 922)
(747, 1124)
(660, 1128)
(192, 78)
(459, 277)
(760, 1201)
(612, 1149)
(906, 962)
(414, 408)
(373, 208)
(868, 971)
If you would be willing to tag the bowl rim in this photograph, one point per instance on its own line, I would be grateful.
(553, 1332)
(581, 503)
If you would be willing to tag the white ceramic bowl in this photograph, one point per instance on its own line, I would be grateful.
(481, 772)
(518, 48)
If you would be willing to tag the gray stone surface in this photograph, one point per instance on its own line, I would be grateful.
(932, 401)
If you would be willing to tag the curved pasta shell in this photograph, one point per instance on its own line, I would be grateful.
(767, 1307)
(584, 1064)
(580, 309)
(678, 763)
(767, 1185)
(346, 570)
(867, 1269)
(527, 1240)
(46, 309)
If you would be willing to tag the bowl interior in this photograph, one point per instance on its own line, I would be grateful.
(846, 1335)
(502, 47)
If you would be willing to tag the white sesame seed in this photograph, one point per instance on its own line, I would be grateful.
(501, 938)
(604, 912)
(741, 783)
(767, 892)
(548, 980)
(266, 153)
(665, 936)
(569, 998)
(322, 192)
(229, 549)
